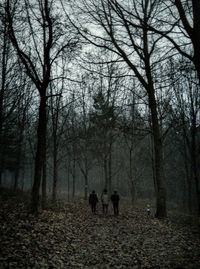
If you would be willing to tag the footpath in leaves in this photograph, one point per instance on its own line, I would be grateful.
(69, 236)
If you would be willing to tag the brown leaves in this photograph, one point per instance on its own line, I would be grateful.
(74, 238)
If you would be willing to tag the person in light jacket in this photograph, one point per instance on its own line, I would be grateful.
(105, 201)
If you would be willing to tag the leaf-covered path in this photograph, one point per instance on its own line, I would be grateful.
(71, 237)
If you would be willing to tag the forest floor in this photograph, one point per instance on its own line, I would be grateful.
(70, 236)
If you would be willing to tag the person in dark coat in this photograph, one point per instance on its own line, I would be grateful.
(93, 200)
(115, 201)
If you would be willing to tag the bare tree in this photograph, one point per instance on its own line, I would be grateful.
(187, 10)
(84, 157)
(134, 131)
(5, 53)
(179, 23)
(186, 110)
(41, 36)
(123, 29)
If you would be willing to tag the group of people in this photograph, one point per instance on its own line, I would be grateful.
(93, 200)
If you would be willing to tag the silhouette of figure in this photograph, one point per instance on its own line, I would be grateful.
(105, 201)
(115, 201)
(93, 200)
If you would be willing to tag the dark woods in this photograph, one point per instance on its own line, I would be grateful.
(101, 94)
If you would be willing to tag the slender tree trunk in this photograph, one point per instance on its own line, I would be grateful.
(22, 180)
(188, 175)
(68, 184)
(55, 174)
(132, 183)
(40, 154)
(19, 156)
(105, 172)
(86, 186)
(189, 187)
(110, 170)
(73, 178)
(16, 179)
(44, 182)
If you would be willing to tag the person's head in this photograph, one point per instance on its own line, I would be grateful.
(93, 191)
(105, 191)
(115, 192)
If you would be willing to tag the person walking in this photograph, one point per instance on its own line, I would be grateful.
(115, 201)
(93, 200)
(105, 201)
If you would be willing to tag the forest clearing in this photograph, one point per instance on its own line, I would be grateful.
(70, 236)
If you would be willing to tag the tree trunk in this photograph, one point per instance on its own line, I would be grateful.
(158, 153)
(40, 154)
(110, 170)
(55, 174)
(157, 137)
(2, 91)
(73, 178)
(105, 172)
(19, 156)
(86, 186)
(68, 184)
(196, 58)
(44, 183)
(188, 175)
(132, 183)
(193, 32)
(196, 35)
(194, 162)
(16, 178)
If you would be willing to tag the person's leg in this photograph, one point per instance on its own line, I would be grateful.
(117, 209)
(106, 209)
(94, 208)
(114, 208)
